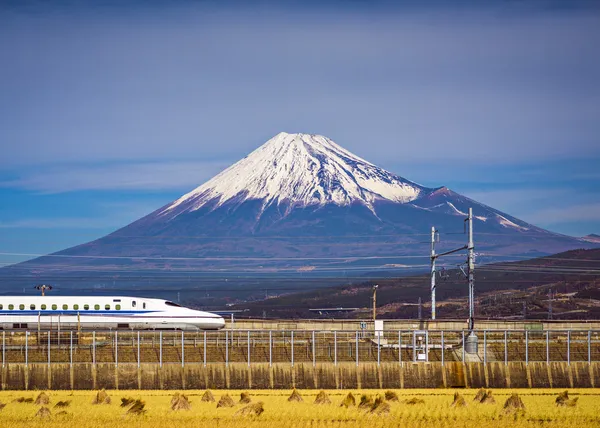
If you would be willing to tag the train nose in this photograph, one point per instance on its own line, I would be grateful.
(220, 322)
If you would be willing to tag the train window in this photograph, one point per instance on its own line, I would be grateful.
(54, 307)
(86, 307)
(107, 307)
(133, 303)
(144, 305)
(75, 306)
(65, 307)
(97, 307)
(1, 306)
(32, 307)
(118, 307)
(43, 307)
(11, 307)
(21, 306)
(172, 304)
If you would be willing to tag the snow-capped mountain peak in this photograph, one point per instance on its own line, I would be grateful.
(302, 170)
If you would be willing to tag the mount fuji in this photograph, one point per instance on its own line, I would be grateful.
(302, 203)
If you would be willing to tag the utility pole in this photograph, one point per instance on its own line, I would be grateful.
(43, 288)
(432, 273)
(549, 304)
(471, 271)
(375, 302)
(420, 310)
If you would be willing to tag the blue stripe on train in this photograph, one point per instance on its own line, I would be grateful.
(17, 312)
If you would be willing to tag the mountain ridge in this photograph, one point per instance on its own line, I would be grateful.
(301, 203)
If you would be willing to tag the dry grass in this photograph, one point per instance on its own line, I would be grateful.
(155, 410)
(414, 401)
(459, 401)
(225, 401)
(380, 407)
(480, 394)
(138, 408)
(391, 396)
(42, 399)
(207, 397)
(126, 401)
(366, 402)
(43, 412)
(180, 402)
(101, 398)
(245, 398)
(348, 401)
(65, 403)
(564, 400)
(514, 404)
(255, 409)
(295, 396)
(322, 398)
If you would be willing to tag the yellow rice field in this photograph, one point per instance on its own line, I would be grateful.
(436, 411)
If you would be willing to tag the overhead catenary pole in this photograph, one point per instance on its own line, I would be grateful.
(433, 257)
(471, 271)
(375, 302)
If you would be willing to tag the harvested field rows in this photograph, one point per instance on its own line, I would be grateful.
(414, 408)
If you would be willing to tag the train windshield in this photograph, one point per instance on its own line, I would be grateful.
(172, 304)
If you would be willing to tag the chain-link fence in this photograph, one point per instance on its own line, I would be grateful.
(298, 346)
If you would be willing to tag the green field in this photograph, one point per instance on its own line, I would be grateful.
(435, 411)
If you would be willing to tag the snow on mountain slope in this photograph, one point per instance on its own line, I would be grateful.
(302, 170)
(302, 202)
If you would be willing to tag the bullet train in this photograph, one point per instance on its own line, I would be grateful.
(101, 312)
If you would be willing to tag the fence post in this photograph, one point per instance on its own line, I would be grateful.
(71, 348)
(443, 347)
(26, 348)
(204, 348)
(182, 349)
(138, 349)
(3, 348)
(48, 347)
(313, 349)
(357, 359)
(248, 348)
(94, 347)
(589, 338)
(335, 348)
(116, 348)
(160, 348)
(415, 346)
(400, 347)
(547, 347)
(526, 346)
(505, 347)
(226, 348)
(270, 348)
(569, 347)
(292, 343)
(484, 346)
(463, 346)
(378, 347)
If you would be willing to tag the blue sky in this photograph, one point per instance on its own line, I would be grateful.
(108, 111)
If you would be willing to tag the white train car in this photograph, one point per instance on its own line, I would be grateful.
(101, 312)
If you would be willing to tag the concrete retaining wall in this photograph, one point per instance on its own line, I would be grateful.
(304, 376)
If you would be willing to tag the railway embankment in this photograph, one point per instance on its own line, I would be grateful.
(81, 376)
